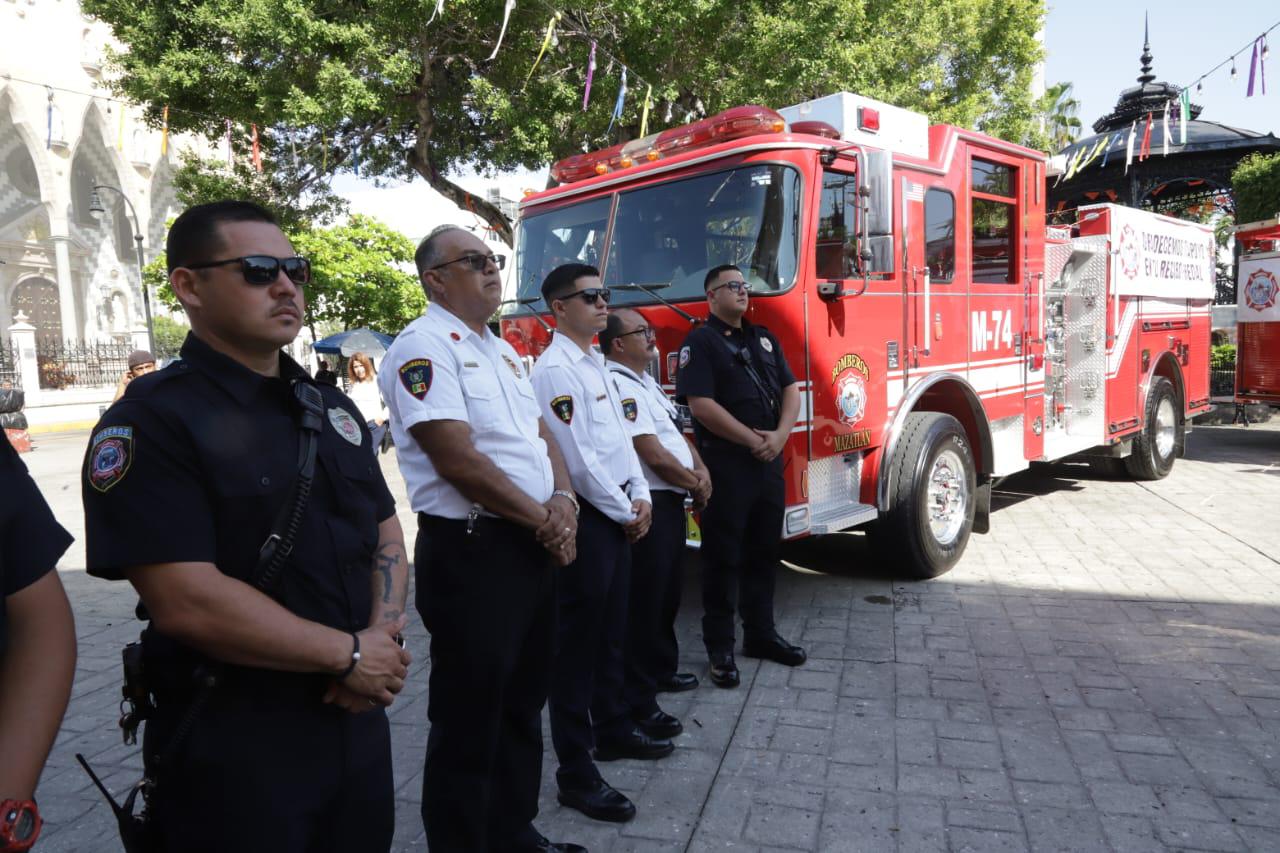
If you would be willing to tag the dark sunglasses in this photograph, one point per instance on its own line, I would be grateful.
(589, 296)
(476, 262)
(264, 269)
(735, 286)
(643, 330)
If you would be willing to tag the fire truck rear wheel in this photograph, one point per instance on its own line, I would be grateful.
(1156, 446)
(932, 504)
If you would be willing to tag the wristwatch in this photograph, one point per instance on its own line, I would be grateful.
(19, 825)
(571, 497)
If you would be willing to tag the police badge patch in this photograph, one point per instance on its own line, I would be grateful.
(563, 407)
(345, 425)
(110, 455)
(629, 408)
(415, 376)
(684, 356)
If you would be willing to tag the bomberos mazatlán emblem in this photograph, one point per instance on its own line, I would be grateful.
(1260, 290)
(849, 376)
(1128, 252)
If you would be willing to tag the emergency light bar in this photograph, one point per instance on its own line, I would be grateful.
(733, 123)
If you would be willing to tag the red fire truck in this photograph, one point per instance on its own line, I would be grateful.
(942, 336)
(1258, 314)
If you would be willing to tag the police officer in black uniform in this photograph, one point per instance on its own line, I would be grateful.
(37, 646)
(184, 483)
(736, 381)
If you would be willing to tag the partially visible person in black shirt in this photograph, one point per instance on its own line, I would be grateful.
(325, 376)
(37, 635)
(184, 480)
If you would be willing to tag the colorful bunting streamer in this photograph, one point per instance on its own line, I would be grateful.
(617, 107)
(1164, 131)
(506, 16)
(1258, 65)
(438, 12)
(164, 131)
(1128, 147)
(546, 43)
(591, 73)
(644, 115)
(1145, 150)
(1106, 154)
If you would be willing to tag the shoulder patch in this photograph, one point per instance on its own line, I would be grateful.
(110, 455)
(629, 408)
(344, 424)
(684, 355)
(563, 407)
(766, 344)
(415, 376)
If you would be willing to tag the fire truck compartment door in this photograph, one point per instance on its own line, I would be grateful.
(1075, 312)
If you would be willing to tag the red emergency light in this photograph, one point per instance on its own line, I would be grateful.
(869, 119)
(733, 123)
(815, 128)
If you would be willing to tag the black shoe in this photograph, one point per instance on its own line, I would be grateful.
(659, 724)
(724, 672)
(543, 845)
(678, 683)
(598, 801)
(774, 648)
(634, 744)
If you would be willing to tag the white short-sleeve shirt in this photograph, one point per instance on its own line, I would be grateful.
(439, 369)
(649, 411)
(580, 406)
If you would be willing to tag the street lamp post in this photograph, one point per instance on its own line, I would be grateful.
(96, 209)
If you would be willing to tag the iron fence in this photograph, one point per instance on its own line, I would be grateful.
(1222, 381)
(81, 365)
(10, 376)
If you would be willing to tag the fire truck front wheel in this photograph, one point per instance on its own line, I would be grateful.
(931, 504)
(1156, 446)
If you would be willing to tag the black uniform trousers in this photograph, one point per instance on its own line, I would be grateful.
(587, 679)
(266, 766)
(657, 577)
(488, 599)
(741, 537)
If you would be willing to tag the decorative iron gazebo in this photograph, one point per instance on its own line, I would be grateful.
(1192, 179)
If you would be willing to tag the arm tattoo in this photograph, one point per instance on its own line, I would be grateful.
(385, 561)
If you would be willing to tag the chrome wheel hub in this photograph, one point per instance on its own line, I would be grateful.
(1165, 429)
(947, 497)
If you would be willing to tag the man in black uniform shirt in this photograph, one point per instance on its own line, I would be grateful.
(183, 482)
(37, 645)
(744, 401)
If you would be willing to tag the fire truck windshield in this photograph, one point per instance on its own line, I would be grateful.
(669, 235)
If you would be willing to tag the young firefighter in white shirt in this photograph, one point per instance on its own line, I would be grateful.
(589, 714)
(674, 471)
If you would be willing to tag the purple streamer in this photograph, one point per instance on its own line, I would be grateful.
(1253, 69)
(591, 73)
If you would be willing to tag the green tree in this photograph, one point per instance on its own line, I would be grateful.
(385, 88)
(169, 335)
(1059, 109)
(1255, 181)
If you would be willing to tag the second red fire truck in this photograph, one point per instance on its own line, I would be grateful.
(942, 336)
(1258, 313)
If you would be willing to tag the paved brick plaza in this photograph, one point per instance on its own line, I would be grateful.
(1101, 672)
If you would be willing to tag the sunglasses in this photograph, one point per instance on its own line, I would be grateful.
(590, 295)
(477, 263)
(264, 269)
(735, 286)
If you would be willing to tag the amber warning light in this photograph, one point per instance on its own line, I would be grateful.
(731, 124)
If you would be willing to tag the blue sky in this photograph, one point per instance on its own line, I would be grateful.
(1095, 44)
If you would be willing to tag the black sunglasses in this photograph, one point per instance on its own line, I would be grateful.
(643, 330)
(589, 296)
(476, 262)
(264, 269)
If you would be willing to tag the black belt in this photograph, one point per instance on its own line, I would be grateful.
(485, 525)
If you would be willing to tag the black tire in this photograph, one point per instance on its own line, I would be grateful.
(13, 420)
(1156, 446)
(905, 533)
(1106, 466)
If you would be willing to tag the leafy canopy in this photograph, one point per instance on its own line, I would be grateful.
(380, 86)
(1255, 182)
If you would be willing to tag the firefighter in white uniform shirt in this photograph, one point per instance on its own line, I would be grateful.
(589, 717)
(495, 516)
(674, 470)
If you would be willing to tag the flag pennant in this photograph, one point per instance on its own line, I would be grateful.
(506, 16)
(591, 73)
(1258, 66)
(546, 43)
(1128, 148)
(1106, 153)
(1184, 115)
(1145, 150)
(438, 12)
(644, 115)
(617, 106)
(1164, 131)
(257, 152)
(164, 131)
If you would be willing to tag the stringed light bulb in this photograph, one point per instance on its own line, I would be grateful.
(1266, 50)
(1199, 87)
(1234, 75)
